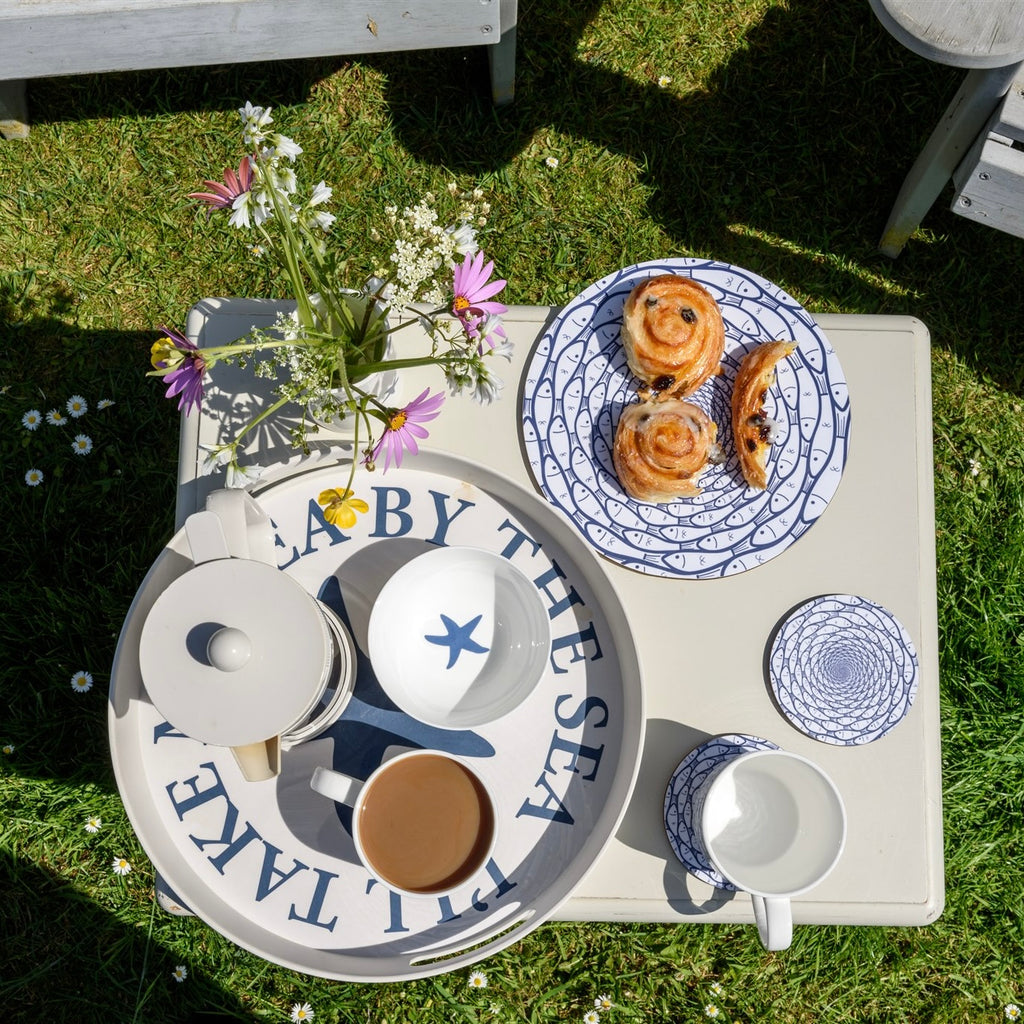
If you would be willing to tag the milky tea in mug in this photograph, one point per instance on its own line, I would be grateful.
(423, 822)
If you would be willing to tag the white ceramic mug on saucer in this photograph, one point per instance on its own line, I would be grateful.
(423, 823)
(773, 824)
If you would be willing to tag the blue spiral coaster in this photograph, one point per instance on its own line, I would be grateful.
(843, 669)
(686, 781)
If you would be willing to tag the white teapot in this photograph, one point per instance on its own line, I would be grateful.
(238, 654)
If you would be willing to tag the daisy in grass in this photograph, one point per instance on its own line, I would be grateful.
(121, 866)
(302, 1011)
(340, 507)
(8, 748)
(34, 477)
(591, 1017)
(32, 419)
(403, 426)
(478, 980)
(664, 81)
(1012, 1011)
(104, 403)
(82, 444)
(77, 406)
(716, 988)
(93, 824)
(180, 973)
(551, 162)
(603, 1003)
(81, 682)
(56, 418)
(711, 1011)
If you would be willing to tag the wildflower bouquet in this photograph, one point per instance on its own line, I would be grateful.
(332, 353)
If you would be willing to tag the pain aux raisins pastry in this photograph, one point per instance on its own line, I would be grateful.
(662, 447)
(753, 430)
(673, 334)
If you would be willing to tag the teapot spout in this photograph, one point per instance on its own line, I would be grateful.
(259, 761)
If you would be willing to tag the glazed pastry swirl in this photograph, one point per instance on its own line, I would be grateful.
(673, 334)
(752, 430)
(662, 447)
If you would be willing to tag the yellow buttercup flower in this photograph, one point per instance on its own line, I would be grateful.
(340, 507)
(164, 355)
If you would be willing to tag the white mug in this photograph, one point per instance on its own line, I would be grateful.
(773, 824)
(423, 823)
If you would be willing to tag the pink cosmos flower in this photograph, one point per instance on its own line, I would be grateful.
(472, 290)
(186, 378)
(224, 195)
(404, 427)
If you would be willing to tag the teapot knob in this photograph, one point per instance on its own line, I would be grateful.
(228, 649)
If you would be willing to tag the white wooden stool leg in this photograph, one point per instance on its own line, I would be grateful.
(13, 109)
(964, 119)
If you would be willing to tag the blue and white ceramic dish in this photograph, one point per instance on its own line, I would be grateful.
(577, 383)
(843, 669)
(685, 784)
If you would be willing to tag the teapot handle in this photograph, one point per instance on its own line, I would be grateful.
(247, 527)
(206, 537)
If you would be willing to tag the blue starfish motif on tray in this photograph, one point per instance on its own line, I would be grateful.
(457, 639)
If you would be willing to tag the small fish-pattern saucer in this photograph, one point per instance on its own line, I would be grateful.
(843, 669)
(684, 785)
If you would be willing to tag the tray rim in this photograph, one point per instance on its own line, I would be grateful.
(126, 756)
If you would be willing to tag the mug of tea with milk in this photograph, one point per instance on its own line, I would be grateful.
(423, 823)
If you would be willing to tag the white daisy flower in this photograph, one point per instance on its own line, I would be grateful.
(974, 466)
(478, 980)
(8, 748)
(591, 1017)
(56, 418)
(1012, 1011)
(93, 824)
(551, 162)
(664, 81)
(711, 1011)
(34, 477)
(302, 1011)
(603, 1003)
(180, 973)
(32, 419)
(77, 406)
(104, 403)
(81, 682)
(82, 444)
(716, 988)
(121, 866)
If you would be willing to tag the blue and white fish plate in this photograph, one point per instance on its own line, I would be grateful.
(272, 864)
(577, 383)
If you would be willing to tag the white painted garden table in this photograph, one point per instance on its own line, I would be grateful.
(702, 642)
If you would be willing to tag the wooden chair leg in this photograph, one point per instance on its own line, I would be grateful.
(13, 110)
(965, 117)
(502, 59)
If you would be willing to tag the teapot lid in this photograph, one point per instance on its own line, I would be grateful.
(234, 651)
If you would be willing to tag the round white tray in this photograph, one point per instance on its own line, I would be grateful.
(271, 865)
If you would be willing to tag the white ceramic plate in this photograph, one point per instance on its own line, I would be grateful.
(577, 383)
(271, 865)
(843, 669)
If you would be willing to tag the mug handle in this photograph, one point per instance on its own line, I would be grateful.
(341, 788)
(774, 918)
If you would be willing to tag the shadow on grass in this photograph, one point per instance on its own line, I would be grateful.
(787, 163)
(65, 957)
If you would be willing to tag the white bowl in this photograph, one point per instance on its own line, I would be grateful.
(459, 637)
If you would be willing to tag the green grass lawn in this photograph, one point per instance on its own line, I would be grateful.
(772, 134)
